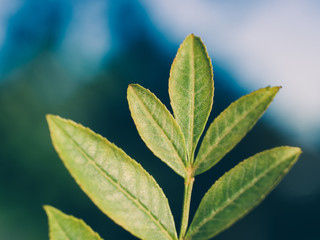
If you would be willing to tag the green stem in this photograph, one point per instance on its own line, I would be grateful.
(188, 185)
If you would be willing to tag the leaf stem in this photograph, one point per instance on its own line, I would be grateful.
(188, 185)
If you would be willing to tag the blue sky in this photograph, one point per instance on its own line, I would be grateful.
(258, 42)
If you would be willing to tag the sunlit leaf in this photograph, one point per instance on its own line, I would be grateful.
(239, 190)
(231, 126)
(157, 128)
(118, 185)
(66, 227)
(191, 90)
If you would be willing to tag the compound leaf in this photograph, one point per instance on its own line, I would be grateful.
(239, 190)
(231, 126)
(66, 227)
(191, 90)
(117, 184)
(157, 128)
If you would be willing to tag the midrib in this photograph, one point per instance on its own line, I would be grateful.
(117, 185)
(228, 130)
(191, 85)
(174, 147)
(230, 201)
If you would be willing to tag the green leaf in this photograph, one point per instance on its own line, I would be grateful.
(157, 128)
(66, 227)
(191, 90)
(117, 184)
(239, 190)
(231, 126)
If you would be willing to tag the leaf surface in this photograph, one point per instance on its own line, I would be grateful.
(231, 126)
(157, 128)
(239, 190)
(66, 227)
(191, 90)
(117, 184)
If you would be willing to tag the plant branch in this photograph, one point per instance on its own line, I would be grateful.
(188, 185)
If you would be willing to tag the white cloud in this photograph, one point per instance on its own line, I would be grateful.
(7, 8)
(281, 46)
(87, 39)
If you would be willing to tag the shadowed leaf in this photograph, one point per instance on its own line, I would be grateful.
(66, 227)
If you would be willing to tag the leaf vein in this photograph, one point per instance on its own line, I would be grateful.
(227, 131)
(176, 152)
(119, 186)
(236, 195)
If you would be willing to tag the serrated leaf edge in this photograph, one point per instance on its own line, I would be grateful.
(51, 211)
(113, 181)
(251, 184)
(182, 159)
(202, 159)
(193, 145)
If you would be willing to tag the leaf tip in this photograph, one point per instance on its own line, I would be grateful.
(132, 87)
(52, 118)
(52, 121)
(272, 90)
(297, 150)
(192, 37)
(46, 208)
(50, 211)
(129, 89)
(277, 88)
(293, 152)
(49, 117)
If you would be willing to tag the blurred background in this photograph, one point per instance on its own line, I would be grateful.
(76, 59)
